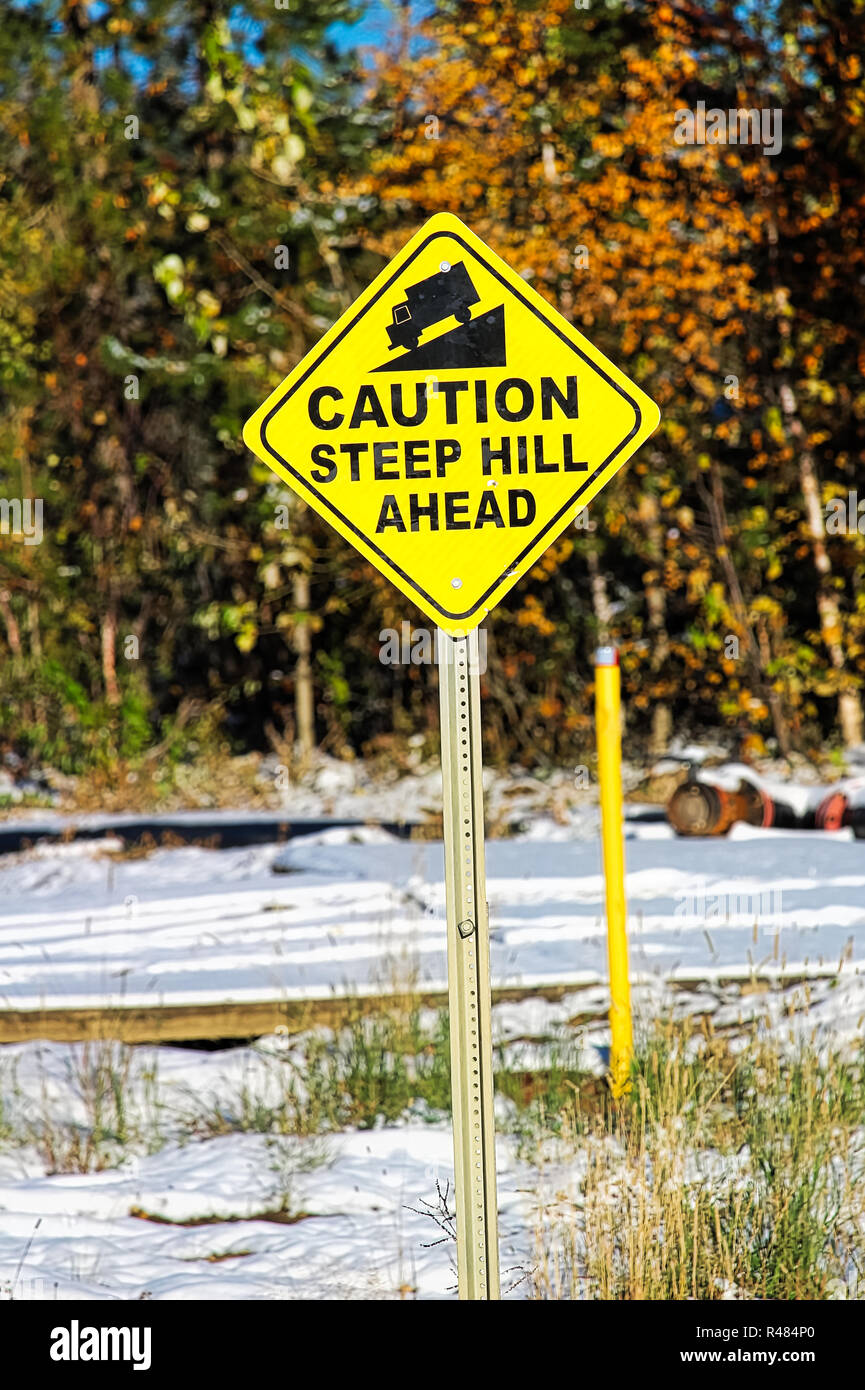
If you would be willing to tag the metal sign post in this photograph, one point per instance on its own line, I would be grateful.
(468, 968)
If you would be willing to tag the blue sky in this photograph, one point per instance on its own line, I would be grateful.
(377, 25)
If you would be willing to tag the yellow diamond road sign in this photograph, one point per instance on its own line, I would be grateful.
(451, 424)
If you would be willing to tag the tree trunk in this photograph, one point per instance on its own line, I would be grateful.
(304, 717)
(13, 637)
(656, 606)
(13, 632)
(109, 657)
(35, 633)
(849, 702)
(600, 599)
(722, 532)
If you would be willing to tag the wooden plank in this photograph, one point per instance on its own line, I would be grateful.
(214, 1022)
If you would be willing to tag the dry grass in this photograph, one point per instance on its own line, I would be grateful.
(724, 1174)
(734, 1168)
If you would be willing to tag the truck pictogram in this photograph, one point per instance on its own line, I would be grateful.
(449, 292)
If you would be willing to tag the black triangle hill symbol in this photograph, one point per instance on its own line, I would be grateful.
(478, 343)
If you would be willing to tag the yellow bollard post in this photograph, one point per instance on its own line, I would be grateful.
(608, 724)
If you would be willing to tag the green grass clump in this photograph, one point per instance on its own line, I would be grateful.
(374, 1070)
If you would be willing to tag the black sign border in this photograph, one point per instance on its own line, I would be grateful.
(572, 501)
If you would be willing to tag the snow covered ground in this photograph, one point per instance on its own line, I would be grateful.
(73, 1237)
(348, 911)
(266, 1216)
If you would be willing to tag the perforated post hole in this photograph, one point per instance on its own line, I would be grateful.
(469, 993)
